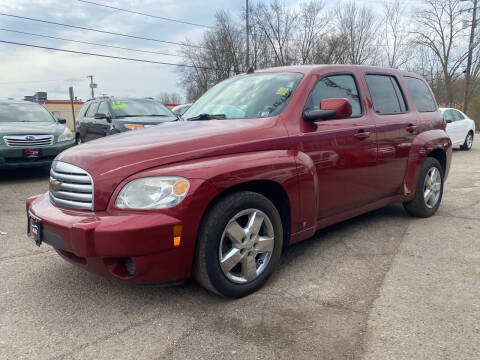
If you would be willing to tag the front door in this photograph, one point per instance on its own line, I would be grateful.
(343, 150)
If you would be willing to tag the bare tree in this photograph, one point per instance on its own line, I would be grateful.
(278, 24)
(472, 44)
(358, 27)
(169, 98)
(311, 26)
(397, 46)
(439, 28)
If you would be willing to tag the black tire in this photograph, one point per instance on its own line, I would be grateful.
(207, 269)
(417, 206)
(467, 145)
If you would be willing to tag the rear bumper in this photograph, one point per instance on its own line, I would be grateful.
(103, 243)
(14, 158)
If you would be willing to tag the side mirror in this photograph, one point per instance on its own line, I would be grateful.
(61, 120)
(100, 116)
(449, 121)
(334, 108)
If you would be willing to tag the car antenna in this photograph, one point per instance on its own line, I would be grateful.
(251, 70)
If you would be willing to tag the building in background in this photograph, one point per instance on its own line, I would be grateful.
(58, 108)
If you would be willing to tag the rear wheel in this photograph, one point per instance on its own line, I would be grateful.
(239, 244)
(429, 191)
(467, 145)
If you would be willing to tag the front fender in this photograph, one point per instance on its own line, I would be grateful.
(422, 145)
(284, 167)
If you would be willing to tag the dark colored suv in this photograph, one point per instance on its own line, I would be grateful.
(106, 116)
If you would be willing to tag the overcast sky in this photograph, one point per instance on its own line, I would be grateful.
(25, 71)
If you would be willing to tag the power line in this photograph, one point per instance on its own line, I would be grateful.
(111, 56)
(89, 43)
(37, 81)
(144, 14)
(98, 31)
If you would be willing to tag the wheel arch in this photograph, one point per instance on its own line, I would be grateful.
(434, 143)
(272, 190)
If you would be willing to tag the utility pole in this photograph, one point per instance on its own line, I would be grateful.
(248, 38)
(468, 70)
(92, 85)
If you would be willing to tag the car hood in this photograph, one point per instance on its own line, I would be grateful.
(27, 128)
(146, 119)
(111, 159)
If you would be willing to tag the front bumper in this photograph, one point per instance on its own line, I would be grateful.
(11, 157)
(103, 243)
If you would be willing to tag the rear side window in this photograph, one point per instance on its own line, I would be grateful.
(458, 115)
(386, 95)
(421, 95)
(335, 86)
(92, 110)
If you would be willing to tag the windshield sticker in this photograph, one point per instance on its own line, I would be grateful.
(118, 105)
(283, 91)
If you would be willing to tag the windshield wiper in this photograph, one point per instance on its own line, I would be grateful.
(208, 117)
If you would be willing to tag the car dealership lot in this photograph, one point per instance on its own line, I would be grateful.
(383, 285)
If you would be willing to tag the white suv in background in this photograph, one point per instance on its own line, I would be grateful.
(460, 127)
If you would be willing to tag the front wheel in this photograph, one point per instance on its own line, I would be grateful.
(239, 244)
(428, 194)
(467, 145)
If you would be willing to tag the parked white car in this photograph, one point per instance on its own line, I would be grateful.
(460, 127)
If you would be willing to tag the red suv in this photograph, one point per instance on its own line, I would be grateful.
(262, 160)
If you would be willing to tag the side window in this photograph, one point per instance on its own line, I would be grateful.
(92, 110)
(421, 95)
(458, 115)
(386, 95)
(448, 115)
(103, 108)
(335, 86)
(83, 110)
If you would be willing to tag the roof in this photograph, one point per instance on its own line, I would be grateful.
(308, 69)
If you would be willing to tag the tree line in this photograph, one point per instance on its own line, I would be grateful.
(437, 39)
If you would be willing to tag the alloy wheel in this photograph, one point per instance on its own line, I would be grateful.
(469, 140)
(432, 187)
(246, 246)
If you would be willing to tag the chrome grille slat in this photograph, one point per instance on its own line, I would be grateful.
(71, 186)
(72, 196)
(82, 179)
(82, 188)
(28, 140)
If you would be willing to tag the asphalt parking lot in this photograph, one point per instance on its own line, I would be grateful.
(380, 286)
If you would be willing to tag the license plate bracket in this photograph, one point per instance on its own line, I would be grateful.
(31, 153)
(34, 229)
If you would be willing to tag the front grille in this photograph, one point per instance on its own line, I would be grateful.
(28, 140)
(71, 186)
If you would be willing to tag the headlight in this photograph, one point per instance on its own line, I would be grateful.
(66, 135)
(153, 193)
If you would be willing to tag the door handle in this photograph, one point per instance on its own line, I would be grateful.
(362, 134)
(411, 128)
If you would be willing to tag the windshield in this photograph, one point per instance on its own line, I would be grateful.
(247, 97)
(20, 112)
(123, 108)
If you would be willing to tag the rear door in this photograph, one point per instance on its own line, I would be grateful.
(395, 126)
(462, 126)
